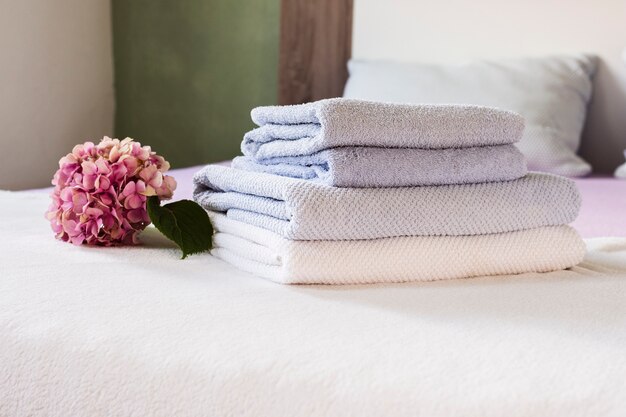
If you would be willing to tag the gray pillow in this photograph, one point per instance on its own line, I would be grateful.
(551, 93)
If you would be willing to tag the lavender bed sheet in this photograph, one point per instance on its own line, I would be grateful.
(603, 211)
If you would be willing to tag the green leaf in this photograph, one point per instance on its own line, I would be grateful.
(184, 222)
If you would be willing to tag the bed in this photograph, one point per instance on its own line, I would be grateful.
(138, 332)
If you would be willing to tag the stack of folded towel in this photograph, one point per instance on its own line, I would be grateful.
(345, 191)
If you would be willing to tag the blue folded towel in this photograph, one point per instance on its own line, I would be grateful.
(307, 128)
(302, 210)
(354, 143)
(392, 167)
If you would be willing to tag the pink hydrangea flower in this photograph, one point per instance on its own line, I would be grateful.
(100, 192)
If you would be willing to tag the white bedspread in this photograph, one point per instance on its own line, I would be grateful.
(121, 332)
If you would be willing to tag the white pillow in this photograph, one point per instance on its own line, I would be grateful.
(551, 93)
(620, 172)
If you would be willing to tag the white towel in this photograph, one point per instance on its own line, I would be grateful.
(398, 259)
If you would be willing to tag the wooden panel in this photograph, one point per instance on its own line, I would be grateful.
(315, 45)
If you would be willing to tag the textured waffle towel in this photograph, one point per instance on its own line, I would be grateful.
(302, 210)
(304, 129)
(392, 167)
(396, 259)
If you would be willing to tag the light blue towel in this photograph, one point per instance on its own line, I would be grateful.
(302, 210)
(304, 129)
(391, 167)
(354, 143)
(307, 128)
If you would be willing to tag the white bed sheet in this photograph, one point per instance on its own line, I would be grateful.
(120, 332)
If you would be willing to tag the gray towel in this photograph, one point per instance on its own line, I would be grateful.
(303, 210)
(304, 129)
(391, 167)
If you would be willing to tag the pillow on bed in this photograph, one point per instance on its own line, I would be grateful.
(551, 93)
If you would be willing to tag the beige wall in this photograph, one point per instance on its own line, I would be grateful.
(56, 84)
(456, 30)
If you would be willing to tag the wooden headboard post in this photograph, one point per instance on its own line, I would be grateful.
(315, 45)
